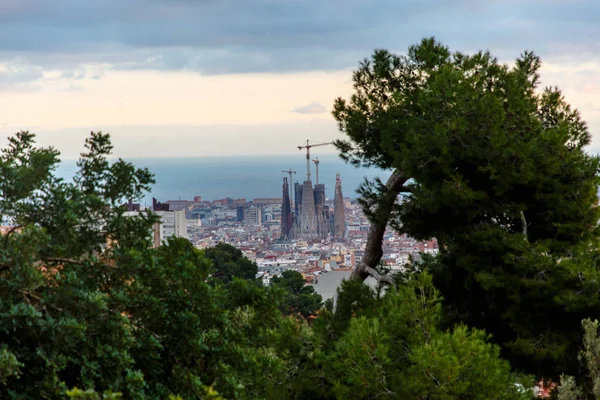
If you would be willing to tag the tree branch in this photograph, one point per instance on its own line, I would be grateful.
(13, 229)
(62, 260)
(379, 277)
(524, 224)
(373, 248)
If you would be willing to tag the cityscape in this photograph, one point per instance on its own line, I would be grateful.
(302, 230)
(286, 200)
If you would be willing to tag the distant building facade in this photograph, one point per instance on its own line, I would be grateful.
(172, 222)
(266, 202)
(311, 218)
(339, 214)
(253, 216)
(240, 213)
(183, 204)
(286, 211)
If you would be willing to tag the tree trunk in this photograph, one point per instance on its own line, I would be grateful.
(373, 250)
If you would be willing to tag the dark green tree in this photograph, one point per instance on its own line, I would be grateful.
(391, 345)
(229, 263)
(298, 296)
(495, 170)
(86, 302)
(89, 309)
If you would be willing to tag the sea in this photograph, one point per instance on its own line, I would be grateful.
(237, 177)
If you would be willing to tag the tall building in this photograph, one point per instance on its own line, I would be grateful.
(172, 223)
(322, 227)
(240, 211)
(253, 216)
(286, 211)
(339, 215)
(297, 199)
(307, 220)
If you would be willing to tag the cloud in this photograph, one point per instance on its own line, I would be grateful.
(18, 76)
(312, 108)
(237, 36)
(73, 75)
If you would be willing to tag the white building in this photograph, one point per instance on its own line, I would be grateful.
(172, 224)
(253, 216)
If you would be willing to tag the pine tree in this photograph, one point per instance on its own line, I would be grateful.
(495, 170)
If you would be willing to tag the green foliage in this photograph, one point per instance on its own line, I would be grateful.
(299, 297)
(590, 358)
(86, 302)
(229, 263)
(90, 394)
(496, 172)
(9, 366)
(90, 310)
(393, 347)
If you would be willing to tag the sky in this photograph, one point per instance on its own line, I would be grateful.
(174, 78)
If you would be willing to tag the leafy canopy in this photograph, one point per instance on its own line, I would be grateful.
(89, 309)
(494, 168)
(86, 302)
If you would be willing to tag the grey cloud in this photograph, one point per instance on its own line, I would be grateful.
(238, 36)
(73, 75)
(312, 108)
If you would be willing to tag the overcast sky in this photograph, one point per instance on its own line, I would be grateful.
(225, 77)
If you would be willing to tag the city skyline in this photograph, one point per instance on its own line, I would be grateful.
(218, 78)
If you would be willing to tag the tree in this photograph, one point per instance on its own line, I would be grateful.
(495, 171)
(86, 302)
(298, 296)
(229, 262)
(589, 357)
(89, 309)
(392, 347)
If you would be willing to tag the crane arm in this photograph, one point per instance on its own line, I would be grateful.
(308, 146)
(321, 144)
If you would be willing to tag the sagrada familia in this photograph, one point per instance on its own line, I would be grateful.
(310, 218)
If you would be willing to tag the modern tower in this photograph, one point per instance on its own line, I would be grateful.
(339, 216)
(286, 211)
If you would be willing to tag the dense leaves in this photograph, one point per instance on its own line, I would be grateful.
(298, 296)
(90, 310)
(494, 169)
(86, 302)
(391, 346)
(229, 263)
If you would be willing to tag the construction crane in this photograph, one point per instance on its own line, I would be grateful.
(289, 171)
(316, 161)
(308, 147)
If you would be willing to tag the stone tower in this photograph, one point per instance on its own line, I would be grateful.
(286, 212)
(339, 216)
(307, 220)
(322, 227)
